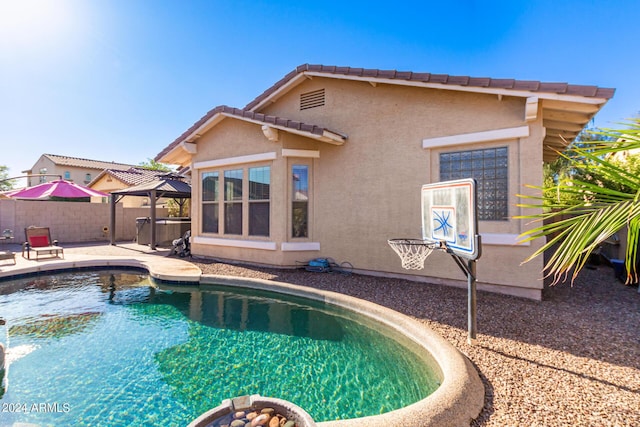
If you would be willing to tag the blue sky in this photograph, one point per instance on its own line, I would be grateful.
(118, 80)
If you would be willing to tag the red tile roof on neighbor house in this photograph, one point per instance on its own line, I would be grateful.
(85, 163)
(278, 122)
(440, 79)
(133, 176)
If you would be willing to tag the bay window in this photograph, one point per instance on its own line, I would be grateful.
(233, 205)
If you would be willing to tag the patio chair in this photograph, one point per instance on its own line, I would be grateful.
(38, 240)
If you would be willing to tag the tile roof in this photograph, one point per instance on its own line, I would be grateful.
(135, 176)
(563, 111)
(85, 163)
(252, 116)
(166, 185)
(442, 79)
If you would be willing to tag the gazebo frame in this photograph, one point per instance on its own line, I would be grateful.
(168, 186)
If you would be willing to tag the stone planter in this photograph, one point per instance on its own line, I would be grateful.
(254, 410)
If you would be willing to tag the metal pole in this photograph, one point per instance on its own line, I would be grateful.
(112, 219)
(152, 202)
(471, 301)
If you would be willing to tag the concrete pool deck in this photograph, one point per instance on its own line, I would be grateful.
(456, 402)
(104, 255)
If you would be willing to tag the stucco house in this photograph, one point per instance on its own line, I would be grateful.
(79, 170)
(330, 161)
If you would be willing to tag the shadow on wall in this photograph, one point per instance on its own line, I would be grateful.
(71, 222)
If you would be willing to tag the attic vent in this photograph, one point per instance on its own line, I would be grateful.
(312, 99)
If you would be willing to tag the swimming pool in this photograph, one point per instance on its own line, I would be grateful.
(111, 347)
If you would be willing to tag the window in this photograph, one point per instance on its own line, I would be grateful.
(259, 195)
(233, 201)
(210, 202)
(300, 201)
(67, 175)
(233, 206)
(87, 178)
(490, 168)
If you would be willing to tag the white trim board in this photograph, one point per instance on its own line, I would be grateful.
(235, 243)
(476, 137)
(300, 246)
(312, 154)
(252, 158)
(502, 239)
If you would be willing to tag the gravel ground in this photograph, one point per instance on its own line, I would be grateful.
(571, 360)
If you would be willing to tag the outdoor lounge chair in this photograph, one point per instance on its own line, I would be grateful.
(38, 240)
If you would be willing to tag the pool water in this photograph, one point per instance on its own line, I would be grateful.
(111, 348)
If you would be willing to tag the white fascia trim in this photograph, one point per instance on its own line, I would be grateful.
(196, 134)
(280, 91)
(300, 246)
(502, 239)
(477, 137)
(252, 158)
(475, 89)
(311, 154)
(327, 136)
(234, 243)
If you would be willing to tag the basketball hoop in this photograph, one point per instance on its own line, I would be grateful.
(450, 224)
(412, 252)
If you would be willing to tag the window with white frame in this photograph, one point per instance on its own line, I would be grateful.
(259, 196)
(490, 168)
(232, 205)
(233, 201)
(300, 201)
(210, 202)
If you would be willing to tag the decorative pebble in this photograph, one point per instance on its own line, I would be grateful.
(269, 411)
(290, 423)
(274, 422)
(237, 423)
(251, 415)
(239, 414)
(260, 420)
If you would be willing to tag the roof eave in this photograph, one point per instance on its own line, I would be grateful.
(178, 154)
(303, 75)
(286, 87)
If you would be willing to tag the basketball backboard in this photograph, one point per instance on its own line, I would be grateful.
(449, 215)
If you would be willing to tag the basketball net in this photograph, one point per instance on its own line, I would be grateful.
(412, 252)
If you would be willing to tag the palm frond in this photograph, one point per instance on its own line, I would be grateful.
(583, 209)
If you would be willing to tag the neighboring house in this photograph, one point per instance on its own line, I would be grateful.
(114, 179)
(80, 171)
(330, 161)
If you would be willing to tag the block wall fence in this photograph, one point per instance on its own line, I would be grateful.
(71, 222)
